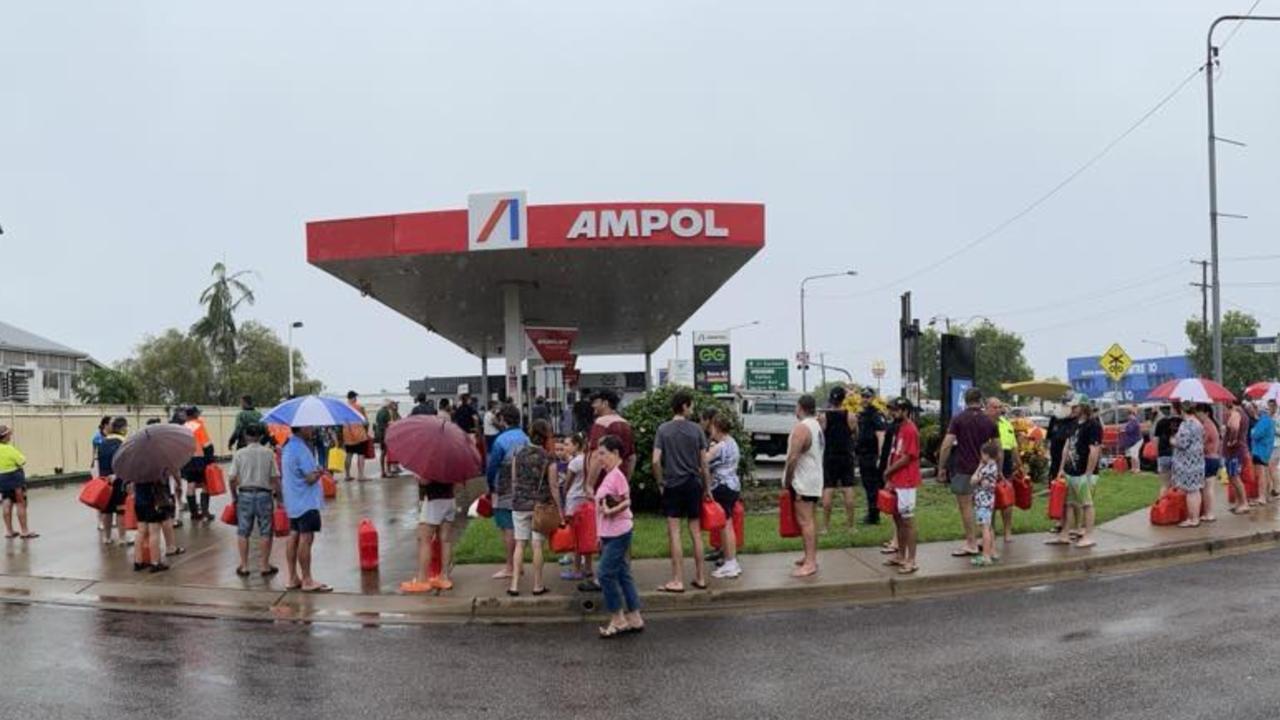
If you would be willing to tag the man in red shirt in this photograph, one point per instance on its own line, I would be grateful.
(903, 475)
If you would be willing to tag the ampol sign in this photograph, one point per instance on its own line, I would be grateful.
(497, 221)
(683, 222)
(711, 362)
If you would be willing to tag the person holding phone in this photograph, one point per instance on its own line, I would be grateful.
(613, 518)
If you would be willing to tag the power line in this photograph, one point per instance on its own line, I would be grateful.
(1106, 313)
(1239, 23)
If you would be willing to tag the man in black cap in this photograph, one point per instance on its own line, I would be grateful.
(867, 447)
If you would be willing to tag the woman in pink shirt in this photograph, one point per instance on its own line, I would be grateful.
(613, 513)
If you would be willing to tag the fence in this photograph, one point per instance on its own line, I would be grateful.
(59, 438)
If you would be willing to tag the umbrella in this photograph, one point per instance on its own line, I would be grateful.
(433, 448)
(312, 411)
(1194, 389)
(154, 453)
(1043, 389)
(1263, 391)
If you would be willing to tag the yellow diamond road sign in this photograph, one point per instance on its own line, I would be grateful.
(1115, 362)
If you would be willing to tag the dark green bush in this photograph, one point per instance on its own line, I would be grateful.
(654, 408)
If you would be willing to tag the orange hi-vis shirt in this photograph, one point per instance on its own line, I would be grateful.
(198, 429)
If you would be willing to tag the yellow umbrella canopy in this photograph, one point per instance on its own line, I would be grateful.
(1044, 389)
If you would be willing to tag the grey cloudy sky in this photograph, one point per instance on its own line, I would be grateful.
(141, 142)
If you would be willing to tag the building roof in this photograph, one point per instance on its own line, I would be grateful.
(14, 338)
(626, 275)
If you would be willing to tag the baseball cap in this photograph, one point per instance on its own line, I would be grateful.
(902, 403)
(868, 392)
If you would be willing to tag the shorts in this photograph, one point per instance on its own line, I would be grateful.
(193, 472)
(1233, 467)
(502, 519)
(906, 502)
(683, 500)
(726, 497)
(523, 520)
(151, 503)
(437, 512)
(1007, 469)
(357, 449)
(982, 516)
(1164, 465)
(1080, 490)
(961, 484)
(254, 507)
(805, 498)
(306, 523)
(1212, 466)
(12, 484)
(116, 503)
(837, 472)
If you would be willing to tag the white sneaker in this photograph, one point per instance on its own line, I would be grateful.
(730, 569)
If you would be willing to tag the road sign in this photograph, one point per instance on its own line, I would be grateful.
(802, 357)
(1115, 362)
(1264, 345)
(768, 374)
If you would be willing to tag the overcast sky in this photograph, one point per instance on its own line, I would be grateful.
(142, 142)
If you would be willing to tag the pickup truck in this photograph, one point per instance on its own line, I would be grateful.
(767, 417)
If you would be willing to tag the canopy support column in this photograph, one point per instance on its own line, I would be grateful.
(648, 371)
(512, 340)
(484, 377)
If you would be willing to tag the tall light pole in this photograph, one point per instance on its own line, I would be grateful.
(804, 346)
(292, 325)
(1164, 348)
(730, 329)
(1210, 54)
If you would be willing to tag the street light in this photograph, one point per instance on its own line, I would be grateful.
(804, 347)
(292, 325)
(1210, 52)
(1165, 348)
(753, 323)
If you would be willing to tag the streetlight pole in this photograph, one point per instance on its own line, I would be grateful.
(1162, 346)
(292, 325)
(730, 329)
(1210, 53)
(804, 346)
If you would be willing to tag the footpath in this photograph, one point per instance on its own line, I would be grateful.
(67, 565)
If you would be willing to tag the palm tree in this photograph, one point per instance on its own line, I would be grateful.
(217, 329)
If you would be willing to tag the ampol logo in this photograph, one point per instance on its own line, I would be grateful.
(497, 221)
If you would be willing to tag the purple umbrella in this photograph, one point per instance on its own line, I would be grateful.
(154, 453)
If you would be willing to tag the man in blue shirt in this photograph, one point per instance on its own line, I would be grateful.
(498, 473)
(303, 500)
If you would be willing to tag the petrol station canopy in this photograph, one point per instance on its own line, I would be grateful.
(625, 274)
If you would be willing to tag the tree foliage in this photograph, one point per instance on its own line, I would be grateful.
(1240, 364)
(262, 368)
(217, 329)
(107, 386)
(998, 358)
(172, 368)
(654, 408)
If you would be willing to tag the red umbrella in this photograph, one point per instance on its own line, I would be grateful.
(433, 448)
(1263, 391)
(153, 453)
(1194, 389)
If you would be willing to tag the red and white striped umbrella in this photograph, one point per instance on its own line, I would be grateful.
(1263, 391)
(1193, 389)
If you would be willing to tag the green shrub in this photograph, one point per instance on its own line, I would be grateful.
(654, 408)
(930, 443)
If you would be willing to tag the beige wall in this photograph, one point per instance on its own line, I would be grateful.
(57, 437)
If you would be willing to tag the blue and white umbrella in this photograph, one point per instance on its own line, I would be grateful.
(312, 411)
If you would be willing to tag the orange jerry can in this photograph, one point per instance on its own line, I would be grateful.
(130, 521)
(368, 539)
(330, 487)
(1058, 499)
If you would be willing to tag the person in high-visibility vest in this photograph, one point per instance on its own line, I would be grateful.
(193, 471)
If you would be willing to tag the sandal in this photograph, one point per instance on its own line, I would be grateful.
(269, 571)
(243, 572)
(539, 591)
(513, 593)
(892, 562)
(321, 588)
(31, 536)
(965, 553)
(176, 551)
(612, 631)
(908, 569)
(10, 536)
(668, 589)
(698, 586)
(1189, 524)
(159, 568)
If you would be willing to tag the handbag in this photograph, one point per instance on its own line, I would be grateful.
(546, 515)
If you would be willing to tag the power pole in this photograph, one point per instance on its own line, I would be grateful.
(1204, 293)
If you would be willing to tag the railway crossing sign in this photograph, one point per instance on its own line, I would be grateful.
(1115, 362)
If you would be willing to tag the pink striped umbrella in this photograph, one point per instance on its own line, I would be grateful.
(1193, 389)
(1263, 391)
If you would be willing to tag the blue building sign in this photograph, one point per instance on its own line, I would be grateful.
(1086, 376)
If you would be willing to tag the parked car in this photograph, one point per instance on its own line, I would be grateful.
(768, 417)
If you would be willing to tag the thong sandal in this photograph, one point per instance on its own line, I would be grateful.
(322, 588)
(964, 553)
(698, 586)
(612, 631)
(10, 536)
(668, 589)
(30, 536)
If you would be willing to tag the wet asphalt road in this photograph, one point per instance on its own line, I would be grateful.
(1197, 641)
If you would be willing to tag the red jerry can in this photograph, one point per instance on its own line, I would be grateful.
(229, 515)
(1005, 494)
(788, 526)
(330, 487)
(1022, 492)
(563, 541)
(1119, 465)
(712, 517)
(739, 521)
(1058, 499)
(368, 538)
(887, 501)
(584, 529)
(130, 521)
(437, 562)
(214, 483)
(96, 493)
(280, 522)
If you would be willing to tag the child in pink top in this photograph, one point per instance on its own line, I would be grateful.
(613, 512)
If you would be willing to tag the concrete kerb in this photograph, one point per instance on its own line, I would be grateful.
(351, 608)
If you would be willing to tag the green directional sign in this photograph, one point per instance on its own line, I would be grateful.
(768, 374)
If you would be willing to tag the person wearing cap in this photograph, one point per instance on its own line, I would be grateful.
(355, 439)
(13, 486)
(968, 431)
(868, 446)
(903, 475)
(1080, 466)
(838, 428)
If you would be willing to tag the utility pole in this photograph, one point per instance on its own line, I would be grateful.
(1204, 294)
(822, 364)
